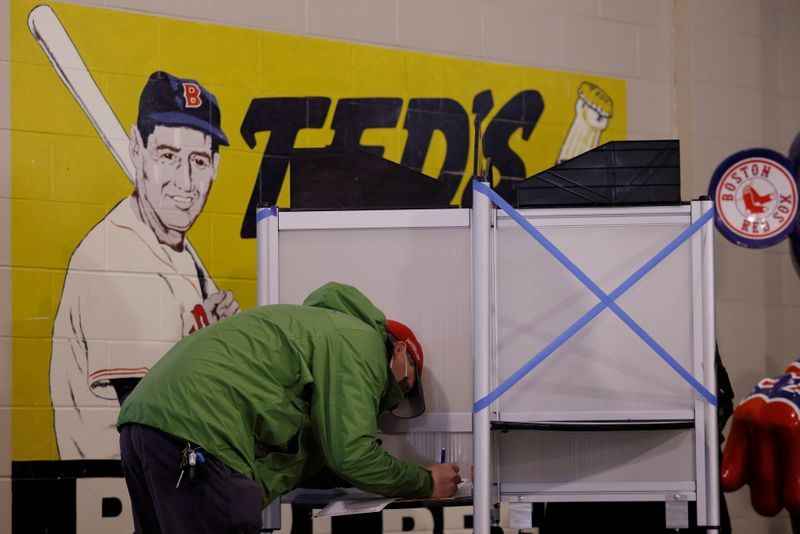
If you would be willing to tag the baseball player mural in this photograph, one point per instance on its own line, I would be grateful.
(135, 285)
(108, 276)
(133, 282)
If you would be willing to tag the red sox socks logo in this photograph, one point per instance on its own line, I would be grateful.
(756, 197)
(191, 95)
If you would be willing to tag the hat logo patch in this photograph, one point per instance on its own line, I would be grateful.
(191, 95)
(413, 348)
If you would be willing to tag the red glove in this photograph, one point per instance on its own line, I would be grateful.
(763, 448)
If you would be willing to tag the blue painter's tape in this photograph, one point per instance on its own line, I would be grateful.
(538, 236)
(605, 301)
(271, 211)
(686, 375)
(480, 404)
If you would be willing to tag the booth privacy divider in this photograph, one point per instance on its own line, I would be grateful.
(569, 351)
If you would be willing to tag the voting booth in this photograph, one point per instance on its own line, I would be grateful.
(601, 357)
(569, 350)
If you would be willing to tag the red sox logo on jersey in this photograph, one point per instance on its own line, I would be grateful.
(191, 95)
(200, 318)
(756, 197)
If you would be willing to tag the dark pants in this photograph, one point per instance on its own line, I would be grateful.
(219, 500)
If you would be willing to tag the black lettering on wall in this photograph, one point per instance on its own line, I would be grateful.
(283, 118)
(354, 115)
(522, 111)
(482, 104)
(424, 117)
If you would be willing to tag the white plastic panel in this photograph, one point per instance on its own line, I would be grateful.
(424, 448)
(417, 274)
(605, 371)
(415, 265)
(559, 458)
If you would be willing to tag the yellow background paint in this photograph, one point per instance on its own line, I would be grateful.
(64, 180)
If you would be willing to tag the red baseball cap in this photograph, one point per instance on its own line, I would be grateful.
(413, 404)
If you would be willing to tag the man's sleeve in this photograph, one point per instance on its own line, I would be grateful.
(349, 380)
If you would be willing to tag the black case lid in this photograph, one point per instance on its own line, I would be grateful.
(352, 178)
(616, 173)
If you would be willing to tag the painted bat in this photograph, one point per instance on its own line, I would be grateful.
(60, 50)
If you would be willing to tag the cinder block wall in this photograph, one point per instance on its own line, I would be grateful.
(718, 74)
(735, 90)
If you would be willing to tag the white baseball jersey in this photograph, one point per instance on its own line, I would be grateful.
(126, 300)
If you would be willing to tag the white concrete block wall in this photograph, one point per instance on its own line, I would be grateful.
(713, 62)
(649, 13)
(781, 45)
(726, 112)
(719, 74)
(728, 72)
(650, 109)
(512, 32)
(190, 9)
(740, 16)
(5, 115)
(346, 20)
(276, 15)
(654, 54)
(449, 26)
(780, 52)
(575, 7)
(600, 46)
(784, 109)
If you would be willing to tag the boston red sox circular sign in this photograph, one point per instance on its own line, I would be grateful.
(756, 197)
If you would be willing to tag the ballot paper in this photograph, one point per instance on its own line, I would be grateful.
(465, 488)
(349, 506)
(357, 502)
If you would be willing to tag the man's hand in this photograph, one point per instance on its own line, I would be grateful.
(221, 305)
(445, 480)
(763, 442)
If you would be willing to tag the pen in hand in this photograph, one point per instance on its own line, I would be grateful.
(445, 477)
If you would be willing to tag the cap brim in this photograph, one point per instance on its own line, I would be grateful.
(176, 118)
(413, 404)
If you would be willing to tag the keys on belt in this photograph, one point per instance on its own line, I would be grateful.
(191, 457)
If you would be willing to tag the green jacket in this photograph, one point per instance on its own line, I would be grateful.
(281, 391)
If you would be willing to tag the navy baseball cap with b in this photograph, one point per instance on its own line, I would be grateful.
(173, 101)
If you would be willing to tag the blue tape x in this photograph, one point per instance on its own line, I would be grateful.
(606, 301)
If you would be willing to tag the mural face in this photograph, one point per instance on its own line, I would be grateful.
(120, 246)
(174, 171)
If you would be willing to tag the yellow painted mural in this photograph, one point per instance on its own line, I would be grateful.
(65, 179)
(108, 270)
